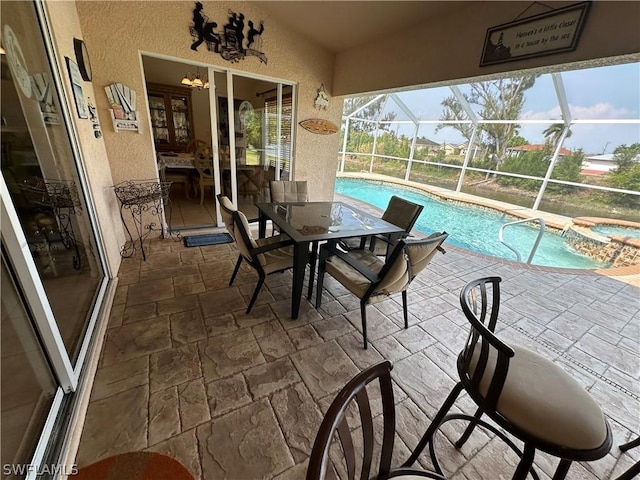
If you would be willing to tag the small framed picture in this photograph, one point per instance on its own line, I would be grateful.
(76, 85)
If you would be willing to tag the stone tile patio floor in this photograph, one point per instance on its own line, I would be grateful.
(185, 371)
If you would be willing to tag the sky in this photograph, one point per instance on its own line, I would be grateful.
(603, 93)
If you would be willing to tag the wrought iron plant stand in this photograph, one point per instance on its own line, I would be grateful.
(60, 199)
(139, 197)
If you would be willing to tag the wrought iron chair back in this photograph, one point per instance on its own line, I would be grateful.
(336, 434)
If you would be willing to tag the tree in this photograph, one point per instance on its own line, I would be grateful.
(553, 133)
(626, 176)
(453, 111)
(517, 141)
(533, 163)
(372, 112)
(360, 135)
(567, 168)
(626, 157)
(501, 99)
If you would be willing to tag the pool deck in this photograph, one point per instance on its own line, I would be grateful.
(184, 371)
(629, 275)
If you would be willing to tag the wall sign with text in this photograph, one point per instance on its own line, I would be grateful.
(545, 34)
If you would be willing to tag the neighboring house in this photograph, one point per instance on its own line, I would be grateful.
(423, 144)
(450, 149)
(598, 164)
(522, 149)
(601, 164)
(432, 148)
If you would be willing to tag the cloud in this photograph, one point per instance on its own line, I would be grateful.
(599, 111)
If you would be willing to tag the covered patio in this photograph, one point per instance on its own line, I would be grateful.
(118, 354)
(185, 371)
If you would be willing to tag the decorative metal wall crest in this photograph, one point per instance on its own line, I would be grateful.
(234, 42)
(322, 99)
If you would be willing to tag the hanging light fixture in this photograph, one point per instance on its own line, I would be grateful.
(196, 80)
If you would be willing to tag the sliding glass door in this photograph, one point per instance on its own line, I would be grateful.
(39, 169)
(255, 135)
(53, 271)
(28, 383)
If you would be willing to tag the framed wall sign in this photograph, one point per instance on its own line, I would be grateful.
(76, 86)
(544, 34)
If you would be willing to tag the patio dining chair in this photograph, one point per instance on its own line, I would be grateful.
(289, 191)
(372, 278)
(529, 396)
(264, 255)
(399, 212)
(339, 436)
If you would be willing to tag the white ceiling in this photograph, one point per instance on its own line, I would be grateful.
(341, 25)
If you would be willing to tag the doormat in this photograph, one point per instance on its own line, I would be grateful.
(209, 239)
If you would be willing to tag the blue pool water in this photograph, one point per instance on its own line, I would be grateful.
(615, 230)
(471, 227)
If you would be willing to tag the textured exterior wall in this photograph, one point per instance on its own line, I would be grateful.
(65, 25)
(117, 32)
(449, 48)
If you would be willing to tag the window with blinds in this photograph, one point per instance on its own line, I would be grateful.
(279, 153)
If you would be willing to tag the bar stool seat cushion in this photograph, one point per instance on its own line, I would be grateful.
(545, 401)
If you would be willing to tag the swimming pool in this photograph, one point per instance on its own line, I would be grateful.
(473, 228)
(616, 230)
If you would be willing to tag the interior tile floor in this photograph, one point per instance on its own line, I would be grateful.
(185, 371)
(188, 213)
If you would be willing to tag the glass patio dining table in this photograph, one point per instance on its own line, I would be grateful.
(308, 223)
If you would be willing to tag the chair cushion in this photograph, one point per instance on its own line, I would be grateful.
(421, 253)
(395, 281)
(545, 401)
(289, 191)
(401, 212)
(278, 259)
(226, 211)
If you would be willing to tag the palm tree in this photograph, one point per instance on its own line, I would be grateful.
(553, 133)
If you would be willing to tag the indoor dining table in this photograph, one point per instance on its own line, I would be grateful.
(308, 223)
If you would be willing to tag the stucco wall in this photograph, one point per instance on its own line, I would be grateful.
(65, 25)
(449, 48)
(116, 33)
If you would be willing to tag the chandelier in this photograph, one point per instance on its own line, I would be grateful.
(195, 80)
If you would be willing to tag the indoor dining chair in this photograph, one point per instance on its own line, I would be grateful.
(372, 278)
(204, 167)
(176, 175)
(529, 396)
(400, 212)
(264, 255)
(353, 444)
(194, 144)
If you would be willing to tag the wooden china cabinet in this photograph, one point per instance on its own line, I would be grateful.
(171, 116)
